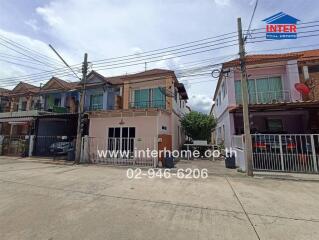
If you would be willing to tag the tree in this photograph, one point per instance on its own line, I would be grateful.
(198, 125)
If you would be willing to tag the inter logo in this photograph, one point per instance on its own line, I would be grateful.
(281, 26)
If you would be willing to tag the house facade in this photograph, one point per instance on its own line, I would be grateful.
(144, 112)
(272, 95)
(276, 106)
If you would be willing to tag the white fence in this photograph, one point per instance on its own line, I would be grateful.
(283, 152)
(123, 151)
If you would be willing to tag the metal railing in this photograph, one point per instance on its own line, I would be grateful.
(286, 152)
(148, 104)
(267, 97)
(122, 151)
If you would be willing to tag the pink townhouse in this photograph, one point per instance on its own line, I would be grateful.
(142, 110)
(283, 105)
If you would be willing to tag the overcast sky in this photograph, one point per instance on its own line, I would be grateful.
(110, 28)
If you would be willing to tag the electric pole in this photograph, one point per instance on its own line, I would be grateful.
(244, 93)
(81, 110)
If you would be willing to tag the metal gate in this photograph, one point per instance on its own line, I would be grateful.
(122, 151)
(286, 152)
(53, 145)
(15, 145)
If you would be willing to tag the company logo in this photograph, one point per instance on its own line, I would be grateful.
(281, 26)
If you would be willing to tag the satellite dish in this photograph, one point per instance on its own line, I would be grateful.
(302, 88)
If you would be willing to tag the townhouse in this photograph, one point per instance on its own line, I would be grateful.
(137, 111)
(38, 114)
(125, 112)
(283, 105)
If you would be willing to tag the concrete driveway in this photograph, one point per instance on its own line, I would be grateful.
(48, 201)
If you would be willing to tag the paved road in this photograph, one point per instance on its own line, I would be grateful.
(47, 201)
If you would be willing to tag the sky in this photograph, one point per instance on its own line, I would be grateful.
(109, 28)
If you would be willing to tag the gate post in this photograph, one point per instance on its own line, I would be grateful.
(31, 145)
(313, 153)
(281, 154)
(84, 157)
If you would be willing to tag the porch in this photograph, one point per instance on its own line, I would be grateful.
(285, 136)
(279, 118)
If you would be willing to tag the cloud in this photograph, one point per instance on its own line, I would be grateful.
(222, 2)
(9, 70)
(33, 23)
(200, 103)
(49, 16)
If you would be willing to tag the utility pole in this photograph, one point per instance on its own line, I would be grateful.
(81, 110)
(244, 93)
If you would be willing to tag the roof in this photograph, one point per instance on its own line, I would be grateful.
(281, 18)
(118, 80)
(301, 56)
(4, 92)
(24, 87)
(56, 83)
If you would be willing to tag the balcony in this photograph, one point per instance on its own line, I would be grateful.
(269, 97)
(161, 104)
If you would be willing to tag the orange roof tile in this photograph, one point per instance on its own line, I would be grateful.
(301, 56)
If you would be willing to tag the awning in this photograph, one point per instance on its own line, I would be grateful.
(17, 120)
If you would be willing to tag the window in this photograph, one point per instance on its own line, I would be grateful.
(121, 139)
(96, 101)
(224, 90)
(149, 98)
(175, 94)
(261, 90)
(23, 106)
(219, 98)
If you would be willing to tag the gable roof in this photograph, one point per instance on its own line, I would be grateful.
(24, 87)
(57, 84)
(281, 18)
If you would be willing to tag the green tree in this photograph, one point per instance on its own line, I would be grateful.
(198, 125)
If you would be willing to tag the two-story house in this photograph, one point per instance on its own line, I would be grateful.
(137, 111)
(45, 113)
(276, 106)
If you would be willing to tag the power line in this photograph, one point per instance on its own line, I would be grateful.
(26, 49)
(33, 75)
(251, 19)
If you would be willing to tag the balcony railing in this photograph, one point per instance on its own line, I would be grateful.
(148, 104)
(267, 97)
(95, 107)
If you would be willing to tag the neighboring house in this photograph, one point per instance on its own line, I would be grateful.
(47, 113)
(145, 107)
(18, 119)
(59, 100)
(275, 105)
(59, 96)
